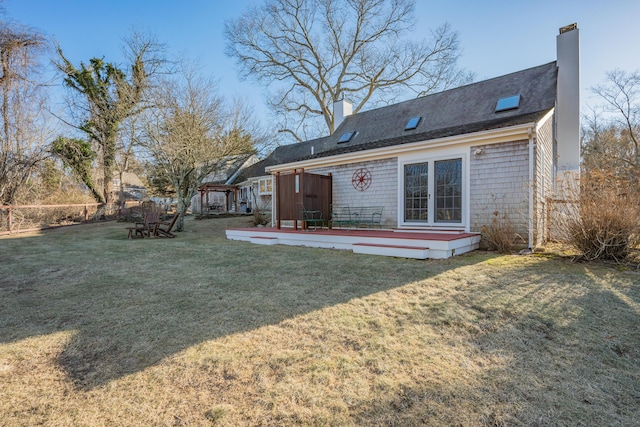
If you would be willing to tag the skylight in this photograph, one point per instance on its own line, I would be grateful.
(508, 103)
(346, 137)
(413, 123)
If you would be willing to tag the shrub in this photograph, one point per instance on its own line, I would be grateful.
(259, 217)
(500, 234)
(604, 220)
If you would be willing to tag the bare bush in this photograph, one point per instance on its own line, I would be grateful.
(500, 234)
(33, 217)
(603, 223)
(260, 215)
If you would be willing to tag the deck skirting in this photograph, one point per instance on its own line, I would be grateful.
(414, 244)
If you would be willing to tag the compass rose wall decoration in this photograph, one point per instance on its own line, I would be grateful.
(361, 179)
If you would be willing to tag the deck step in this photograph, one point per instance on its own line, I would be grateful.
(400, 251)
(263, 240)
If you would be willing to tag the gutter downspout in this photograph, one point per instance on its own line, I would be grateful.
(532, 186)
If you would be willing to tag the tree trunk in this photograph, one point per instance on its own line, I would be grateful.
(121, 198)
(6, 81)
(182, 210)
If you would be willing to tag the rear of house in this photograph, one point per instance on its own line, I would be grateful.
(463, 159)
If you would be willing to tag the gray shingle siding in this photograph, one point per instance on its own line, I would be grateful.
(499, 178)
(544, 180)
(382, 192)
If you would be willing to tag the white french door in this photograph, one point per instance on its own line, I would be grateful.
(433, 192)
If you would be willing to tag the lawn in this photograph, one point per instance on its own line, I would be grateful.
(98, 330)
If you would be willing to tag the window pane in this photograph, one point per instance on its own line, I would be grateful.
(448, 183)
(416, 192)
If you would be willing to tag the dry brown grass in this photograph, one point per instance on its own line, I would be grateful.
(100, 331)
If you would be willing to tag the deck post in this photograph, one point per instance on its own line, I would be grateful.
(329, 224)
(277, 200)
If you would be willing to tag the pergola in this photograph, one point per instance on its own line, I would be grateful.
(209, 187)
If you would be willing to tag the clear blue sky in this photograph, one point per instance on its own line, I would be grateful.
(498, 37)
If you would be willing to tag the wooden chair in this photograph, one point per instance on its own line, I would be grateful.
(163, 228)
(144, 228)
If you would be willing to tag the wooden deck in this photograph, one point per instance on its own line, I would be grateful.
(397, 242)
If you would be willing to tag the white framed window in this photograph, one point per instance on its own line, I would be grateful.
(265, 186)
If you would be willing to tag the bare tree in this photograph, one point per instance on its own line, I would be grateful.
(606, 146)
(611, 131)
(107, 96)
(617, 140)
(189, 136)
(24, 129)
(312, 52)
(125, 160)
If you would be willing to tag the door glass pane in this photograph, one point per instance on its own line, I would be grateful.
(416, 192)
(448, 187)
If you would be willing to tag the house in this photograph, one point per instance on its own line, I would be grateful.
(456, 160)
(131, 185)
(257, 185)
(218, 191)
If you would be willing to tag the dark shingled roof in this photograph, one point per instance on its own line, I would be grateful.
(284, 154)
(458, 111)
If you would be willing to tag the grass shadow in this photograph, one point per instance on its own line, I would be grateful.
(132, 303)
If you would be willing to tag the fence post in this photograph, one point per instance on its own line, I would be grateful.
(9, 220)
(86, 214)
